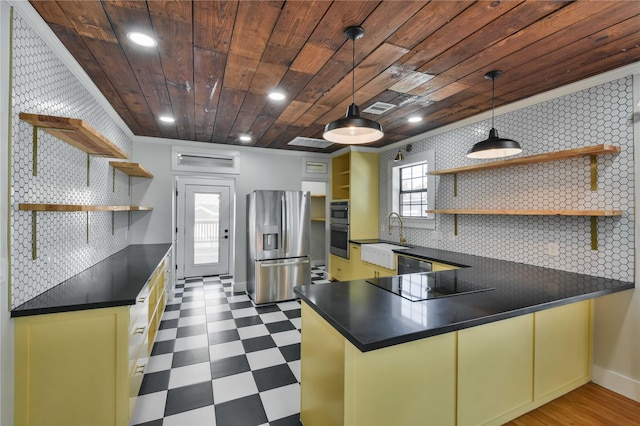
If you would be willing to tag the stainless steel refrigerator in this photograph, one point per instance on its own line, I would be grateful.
(278, 244)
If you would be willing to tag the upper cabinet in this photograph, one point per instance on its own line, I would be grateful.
(355, 178)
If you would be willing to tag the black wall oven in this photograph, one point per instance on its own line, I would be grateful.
(339, 227)
(339, 240)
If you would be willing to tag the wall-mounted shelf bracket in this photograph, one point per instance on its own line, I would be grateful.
(88, 169)
(34, 240)
(455, 224)
(455, 184)
(594, 172)
(594, 233)
(35, 150)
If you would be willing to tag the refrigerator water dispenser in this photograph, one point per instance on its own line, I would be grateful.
(269, 241)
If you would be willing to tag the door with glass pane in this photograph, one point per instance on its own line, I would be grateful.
(205, 240)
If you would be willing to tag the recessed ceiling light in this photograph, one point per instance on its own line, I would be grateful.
(244, 138)
(414, 119)
(166, 119)
(142, 39)
(277, 96)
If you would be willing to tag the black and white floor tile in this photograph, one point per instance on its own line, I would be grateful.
(218, 360)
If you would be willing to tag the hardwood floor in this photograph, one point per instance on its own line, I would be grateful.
(589, 405)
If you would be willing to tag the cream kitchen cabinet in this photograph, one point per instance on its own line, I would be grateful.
(487, 374)
(85, 367)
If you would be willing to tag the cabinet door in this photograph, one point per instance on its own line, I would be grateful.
(71, 368)
(322, 369)
(363, 207)
(402, 385)
(359, 269)
(563, 343)
(495, 369)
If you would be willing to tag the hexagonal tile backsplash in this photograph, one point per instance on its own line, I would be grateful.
(43, 84)
(599, 115)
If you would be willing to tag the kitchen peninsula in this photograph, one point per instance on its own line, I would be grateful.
(372, 357)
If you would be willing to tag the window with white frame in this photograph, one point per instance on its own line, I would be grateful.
(412, 189)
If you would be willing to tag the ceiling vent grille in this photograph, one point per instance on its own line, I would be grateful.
(379, 108)
(310, 142)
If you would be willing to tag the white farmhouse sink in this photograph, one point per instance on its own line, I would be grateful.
(381, 254)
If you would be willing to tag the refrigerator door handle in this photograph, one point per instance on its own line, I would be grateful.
(285, 225)
(264, 264)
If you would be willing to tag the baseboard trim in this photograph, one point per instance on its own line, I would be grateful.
(616, 382)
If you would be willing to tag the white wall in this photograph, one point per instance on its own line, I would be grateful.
(259, 169)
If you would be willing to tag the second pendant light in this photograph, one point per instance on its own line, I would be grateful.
(494, 146)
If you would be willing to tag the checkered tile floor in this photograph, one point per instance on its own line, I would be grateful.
(218, 360)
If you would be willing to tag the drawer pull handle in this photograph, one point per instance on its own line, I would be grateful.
(139, 369)
(142, 299)
(139, 330)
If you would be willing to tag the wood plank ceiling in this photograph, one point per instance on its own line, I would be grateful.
(216, 61)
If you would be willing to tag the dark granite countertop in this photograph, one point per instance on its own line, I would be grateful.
(373, 318)
(115, 281)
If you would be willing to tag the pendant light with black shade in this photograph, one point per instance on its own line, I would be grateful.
(494, 146)
(353, 129)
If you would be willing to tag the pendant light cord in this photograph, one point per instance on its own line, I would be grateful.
(353, 70)
(493, 101)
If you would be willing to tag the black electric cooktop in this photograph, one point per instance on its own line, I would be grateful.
(425, 286)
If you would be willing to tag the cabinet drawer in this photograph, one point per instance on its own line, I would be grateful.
(138, 342)
(139, 312)
(135, 380)
(139, 326)
(339, 268)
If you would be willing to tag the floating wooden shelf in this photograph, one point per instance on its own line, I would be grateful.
(593, 214)
(532, 212)
(131, 169)
(540, 158)
(34, 208)
(318, 196)
(318, 219)
(77, 208)
(76, 132)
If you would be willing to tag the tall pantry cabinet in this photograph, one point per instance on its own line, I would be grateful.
(354, 177)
